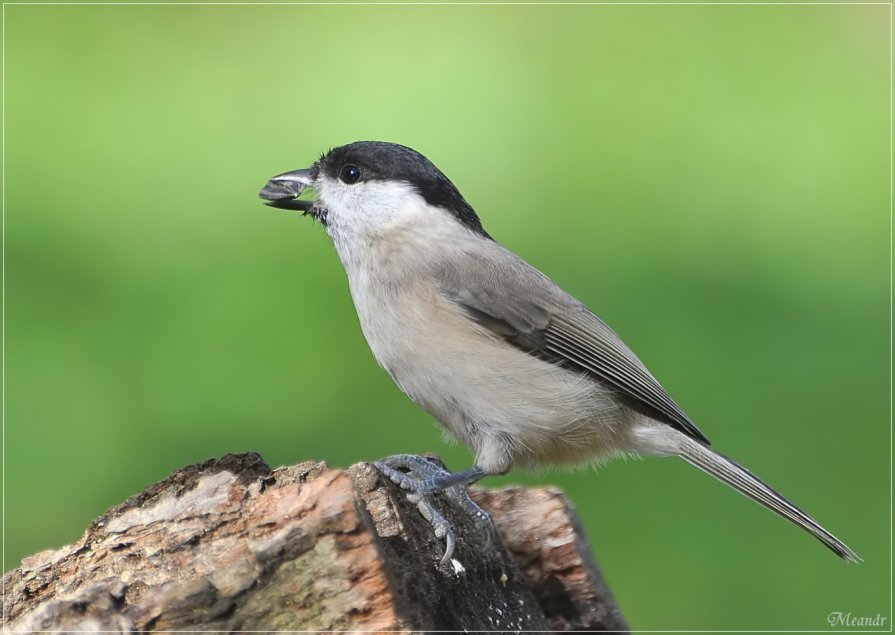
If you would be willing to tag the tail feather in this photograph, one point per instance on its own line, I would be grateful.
(745, 482)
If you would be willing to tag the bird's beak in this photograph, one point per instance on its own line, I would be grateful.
(283, 190)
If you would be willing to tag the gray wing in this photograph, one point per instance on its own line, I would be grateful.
(519, 304)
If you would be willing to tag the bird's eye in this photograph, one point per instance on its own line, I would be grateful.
(350, 174)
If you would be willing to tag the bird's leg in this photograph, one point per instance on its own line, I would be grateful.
(421, 478)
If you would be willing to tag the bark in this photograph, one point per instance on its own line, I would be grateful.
(231, 545)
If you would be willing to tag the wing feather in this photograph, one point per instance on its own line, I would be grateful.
(558, 329)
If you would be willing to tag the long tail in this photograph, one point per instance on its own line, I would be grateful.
(745, 482)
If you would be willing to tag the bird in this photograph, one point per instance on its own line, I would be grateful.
(510, 364)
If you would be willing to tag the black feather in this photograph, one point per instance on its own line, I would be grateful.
(382, 161)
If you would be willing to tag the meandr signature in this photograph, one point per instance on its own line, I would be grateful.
(839, 619)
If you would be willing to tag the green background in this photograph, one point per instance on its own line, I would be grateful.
(712, 180)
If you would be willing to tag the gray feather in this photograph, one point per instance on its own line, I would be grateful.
(522, 306)
(746, 483)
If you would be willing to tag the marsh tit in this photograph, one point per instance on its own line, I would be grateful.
(509, 363)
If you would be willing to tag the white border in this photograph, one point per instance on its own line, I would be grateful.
(723, 4)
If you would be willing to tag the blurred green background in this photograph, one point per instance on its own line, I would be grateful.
(712, 180)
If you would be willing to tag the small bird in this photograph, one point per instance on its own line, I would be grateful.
(507, 361)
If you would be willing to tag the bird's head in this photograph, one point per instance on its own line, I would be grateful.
(369, 185)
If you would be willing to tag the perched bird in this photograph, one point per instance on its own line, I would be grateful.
(509, 363)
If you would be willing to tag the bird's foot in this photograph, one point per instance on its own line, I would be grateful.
(422, 477)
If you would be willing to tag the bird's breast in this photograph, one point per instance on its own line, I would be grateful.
(507, 405)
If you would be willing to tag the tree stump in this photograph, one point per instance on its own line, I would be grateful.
(231, 545)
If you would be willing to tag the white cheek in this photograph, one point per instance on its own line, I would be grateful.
(369, 208)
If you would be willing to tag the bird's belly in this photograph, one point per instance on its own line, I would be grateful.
(506, 405)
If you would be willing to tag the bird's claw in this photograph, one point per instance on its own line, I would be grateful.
(422, 478)
(480, 517)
